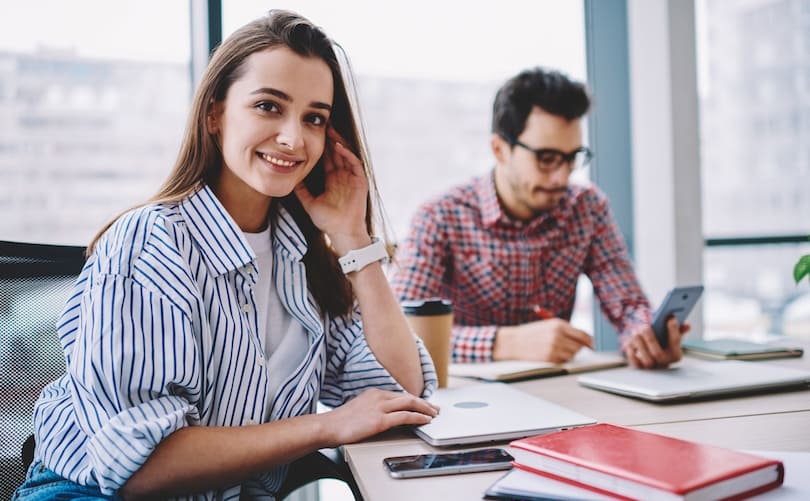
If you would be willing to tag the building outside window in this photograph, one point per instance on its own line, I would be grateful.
(754, 83)
(93, 102)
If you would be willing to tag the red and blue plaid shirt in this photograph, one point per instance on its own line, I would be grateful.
(462, 246)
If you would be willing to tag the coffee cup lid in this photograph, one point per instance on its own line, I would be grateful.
(431, 306)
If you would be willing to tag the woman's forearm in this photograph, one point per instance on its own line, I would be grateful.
(386, 329)
(201, 458)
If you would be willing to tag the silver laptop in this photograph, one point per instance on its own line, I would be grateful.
(697, 379)
(493, 412)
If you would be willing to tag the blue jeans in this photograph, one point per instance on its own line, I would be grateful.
(42, 484)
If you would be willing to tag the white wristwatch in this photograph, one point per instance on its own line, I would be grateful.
(357, 259)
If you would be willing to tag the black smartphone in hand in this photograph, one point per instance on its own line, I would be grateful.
(678, 302)
(446, 463)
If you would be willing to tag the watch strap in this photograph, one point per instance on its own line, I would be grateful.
(357, 259)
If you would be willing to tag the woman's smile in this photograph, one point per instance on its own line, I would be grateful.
(279, 163)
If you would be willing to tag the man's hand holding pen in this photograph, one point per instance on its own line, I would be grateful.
(548, 339)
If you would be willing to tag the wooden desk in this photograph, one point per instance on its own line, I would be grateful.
(611, 408)
(778, 421)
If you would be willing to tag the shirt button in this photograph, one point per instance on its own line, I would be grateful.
(251, 422)
(246, 308)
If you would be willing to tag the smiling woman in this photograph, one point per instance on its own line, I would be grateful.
(217, 313)
(270, 137)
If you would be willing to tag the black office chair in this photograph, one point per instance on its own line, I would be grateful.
(323, 464)
(35, 280)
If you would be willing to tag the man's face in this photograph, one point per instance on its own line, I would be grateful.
(524, 186)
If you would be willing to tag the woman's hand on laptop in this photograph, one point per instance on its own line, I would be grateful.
(644, 352)
(375, 411)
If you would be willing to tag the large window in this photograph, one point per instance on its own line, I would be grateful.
(754, 83)
(93, 99)
(427, 73)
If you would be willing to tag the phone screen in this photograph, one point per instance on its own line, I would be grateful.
(678, 303)
(448, 462)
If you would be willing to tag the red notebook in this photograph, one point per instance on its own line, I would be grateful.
(633, 464)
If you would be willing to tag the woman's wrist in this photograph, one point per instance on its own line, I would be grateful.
(325, 433)
(344, 243)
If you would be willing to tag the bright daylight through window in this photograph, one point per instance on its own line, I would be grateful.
(755, 124)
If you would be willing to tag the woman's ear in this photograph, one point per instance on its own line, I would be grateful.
(213, 118)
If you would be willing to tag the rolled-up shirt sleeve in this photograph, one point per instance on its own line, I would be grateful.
(614, 281)
(135, 375)
(352, 368)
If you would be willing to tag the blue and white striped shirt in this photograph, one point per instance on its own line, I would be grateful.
(160, 332)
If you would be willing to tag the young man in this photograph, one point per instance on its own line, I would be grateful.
(508, 247)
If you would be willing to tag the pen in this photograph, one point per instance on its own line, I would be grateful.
(542, 313)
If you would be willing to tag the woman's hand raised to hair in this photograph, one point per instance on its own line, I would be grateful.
(340, 211)
(375, 411)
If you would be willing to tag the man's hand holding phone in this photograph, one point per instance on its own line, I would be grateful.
(644, 352)
(659, 344)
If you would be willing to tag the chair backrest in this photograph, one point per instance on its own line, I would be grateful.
(35, 280)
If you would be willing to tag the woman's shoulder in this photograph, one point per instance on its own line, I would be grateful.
(157, 226)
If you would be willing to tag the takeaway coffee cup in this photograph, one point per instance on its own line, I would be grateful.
(432, 320)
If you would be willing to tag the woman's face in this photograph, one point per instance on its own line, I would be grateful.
(271, 127)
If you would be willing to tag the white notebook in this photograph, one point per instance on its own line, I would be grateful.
(493, 412)
(513, 370)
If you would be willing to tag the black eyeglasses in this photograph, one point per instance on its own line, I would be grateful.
(550, 160)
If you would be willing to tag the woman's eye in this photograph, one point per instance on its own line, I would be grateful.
(316, 119)
(267, 106)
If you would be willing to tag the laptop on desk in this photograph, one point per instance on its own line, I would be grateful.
(692, 379)
(493, 412)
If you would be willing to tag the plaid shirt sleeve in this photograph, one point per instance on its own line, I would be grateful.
(611, 272)
(423, 259)
(423, 262)
(473, 343)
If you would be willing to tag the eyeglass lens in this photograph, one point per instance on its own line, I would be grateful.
(550, 160)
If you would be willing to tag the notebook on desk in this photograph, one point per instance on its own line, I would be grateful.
(697, 379)
(514, 370)
(738, 349)
(493, 412)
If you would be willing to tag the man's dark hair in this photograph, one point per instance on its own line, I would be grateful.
(550, 90)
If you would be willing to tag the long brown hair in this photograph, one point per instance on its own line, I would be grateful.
(199, 161)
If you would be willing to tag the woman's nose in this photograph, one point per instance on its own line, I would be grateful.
(290, 134)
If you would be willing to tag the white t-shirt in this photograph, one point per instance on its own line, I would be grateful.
(285, 340)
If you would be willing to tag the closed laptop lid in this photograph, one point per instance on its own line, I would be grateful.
(492, 412)
(696, 379)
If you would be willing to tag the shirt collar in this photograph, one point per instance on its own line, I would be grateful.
(222, 243)
(492, 212)
(220, 240)
(287, 236)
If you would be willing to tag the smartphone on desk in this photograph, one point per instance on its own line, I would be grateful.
(446, 463)
(678, 302)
